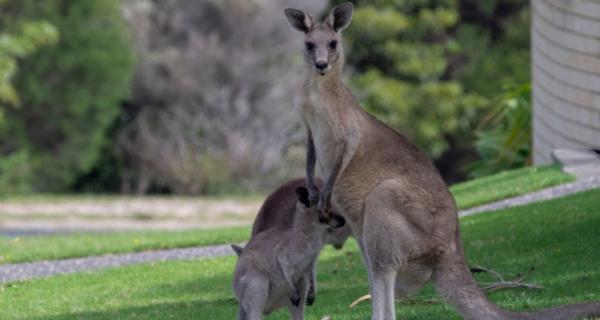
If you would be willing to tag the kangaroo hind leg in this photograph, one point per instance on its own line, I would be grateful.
(255, 298)
(394, 234)
(297, 310)
(411, 280)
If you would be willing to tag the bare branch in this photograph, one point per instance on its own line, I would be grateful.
(515, 282)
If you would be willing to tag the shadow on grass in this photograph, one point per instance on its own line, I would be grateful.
(199, 309)
(203, 297)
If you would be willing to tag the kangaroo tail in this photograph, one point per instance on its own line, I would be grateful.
(456, 284)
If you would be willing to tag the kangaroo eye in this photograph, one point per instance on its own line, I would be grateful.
(310, 46)
(333, 44)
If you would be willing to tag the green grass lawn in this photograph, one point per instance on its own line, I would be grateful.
(559, 238)
(34, 248)
(26, 249)
(507, 184)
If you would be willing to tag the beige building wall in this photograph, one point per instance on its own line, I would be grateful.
(566, 76)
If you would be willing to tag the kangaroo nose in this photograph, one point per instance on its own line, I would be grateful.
(321, 65)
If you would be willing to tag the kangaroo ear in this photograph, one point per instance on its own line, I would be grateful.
(340, 16)
(298, 19)
(237, 249)
(302, 195)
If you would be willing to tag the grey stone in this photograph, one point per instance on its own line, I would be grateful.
(581, 163)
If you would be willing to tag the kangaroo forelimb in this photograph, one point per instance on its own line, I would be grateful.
(325, 203)
(311, 159)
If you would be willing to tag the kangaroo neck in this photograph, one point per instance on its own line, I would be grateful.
(329, 112)
(327, 87)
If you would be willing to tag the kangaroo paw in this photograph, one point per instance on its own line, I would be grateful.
(310, 298)
(295, 299)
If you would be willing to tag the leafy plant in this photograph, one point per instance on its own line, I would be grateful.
(504, 134)
(402, 53)
(429, 68)
(70, 92)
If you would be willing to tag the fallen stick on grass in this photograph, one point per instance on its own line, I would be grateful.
(516, 282)
(359, 300)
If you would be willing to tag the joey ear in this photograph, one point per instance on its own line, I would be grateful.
(340, 16)
(298, 19)
(302, 195)
(237, 249)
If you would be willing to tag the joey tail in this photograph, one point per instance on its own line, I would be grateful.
(456, 284)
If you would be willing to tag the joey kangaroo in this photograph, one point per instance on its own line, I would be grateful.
(392, 197)
(279, 208)
(278, 211)
(274, 268)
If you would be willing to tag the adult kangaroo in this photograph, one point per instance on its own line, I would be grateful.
(393, 198)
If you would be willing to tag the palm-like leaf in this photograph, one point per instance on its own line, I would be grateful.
(504, 134)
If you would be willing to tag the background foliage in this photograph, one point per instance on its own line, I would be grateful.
(504, 136)
(430, 69)
(69, 92)
(212, 109)
(206, 104)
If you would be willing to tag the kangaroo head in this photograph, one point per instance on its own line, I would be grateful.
(323, 49)
(305, 207)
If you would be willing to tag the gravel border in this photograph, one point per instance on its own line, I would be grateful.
(26, 271)
(544, 194)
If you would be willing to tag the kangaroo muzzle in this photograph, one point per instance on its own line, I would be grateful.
(321, 60)
(333, 220)
(321, 66)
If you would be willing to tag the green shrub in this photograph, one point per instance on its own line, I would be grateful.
(15, 173)
(401, 52)
(432, 68)
(70, 92)
(504, 138)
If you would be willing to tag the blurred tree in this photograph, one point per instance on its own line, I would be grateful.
(69, 92)
(495, 35)
(496, 40)
(19, 38)
(213, 103)
(404, 58)
(429, 68)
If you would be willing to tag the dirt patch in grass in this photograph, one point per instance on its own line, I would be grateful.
(120, 213)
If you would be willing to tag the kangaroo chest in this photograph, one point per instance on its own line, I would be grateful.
(326, 146)
(333, 119)
(328, 130)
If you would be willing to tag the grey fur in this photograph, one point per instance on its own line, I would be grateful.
(275, 267)
(394, 200)
(278, 211)
(237, 249)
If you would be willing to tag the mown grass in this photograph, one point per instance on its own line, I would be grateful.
(507, 184)
(34, 248)
(559, 238)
